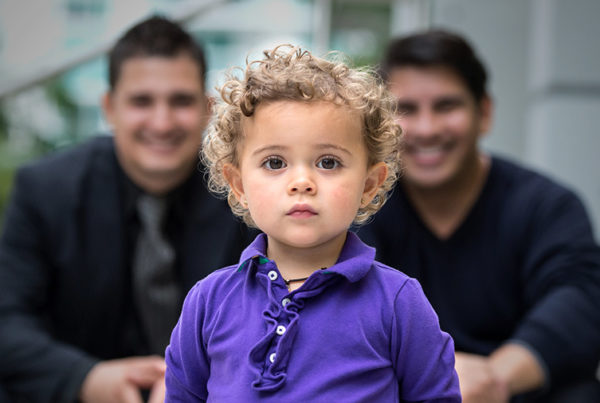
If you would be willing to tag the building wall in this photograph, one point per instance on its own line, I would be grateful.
(564, 88)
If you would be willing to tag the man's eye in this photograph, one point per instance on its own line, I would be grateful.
(183, 100)
(403, 109)
(274, 164)
(449, 104)
(446, 106)
(328, 163)
(140, 101)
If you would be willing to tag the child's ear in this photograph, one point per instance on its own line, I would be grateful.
(375, 178)
(234, 178)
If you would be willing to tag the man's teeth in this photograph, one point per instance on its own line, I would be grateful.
(429, 150)
(162, 142)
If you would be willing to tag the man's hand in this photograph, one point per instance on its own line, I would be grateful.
(159, 389)
(478, 381)
(120, 381)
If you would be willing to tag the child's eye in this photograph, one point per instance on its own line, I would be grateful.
(328, 163)
(274, 163)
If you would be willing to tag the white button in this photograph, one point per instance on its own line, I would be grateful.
(273, 275)
(285, 301)
(280, 330)
(272, 357)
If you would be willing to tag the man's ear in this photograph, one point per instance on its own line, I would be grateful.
(106, 102)
(206, 110)
(375, 178)
(234, 178)
(486, 114)
(210, 104)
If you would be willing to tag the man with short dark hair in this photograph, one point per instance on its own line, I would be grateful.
(505, 255)
(102, 242)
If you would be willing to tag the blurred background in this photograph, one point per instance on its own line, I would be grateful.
(543, 56)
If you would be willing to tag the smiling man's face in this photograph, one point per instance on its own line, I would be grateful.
(158, 111)
(442, 123)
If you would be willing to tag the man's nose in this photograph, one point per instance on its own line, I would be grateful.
(162, 118)
(423, 124)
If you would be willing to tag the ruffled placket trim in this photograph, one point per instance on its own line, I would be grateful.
(269, 357)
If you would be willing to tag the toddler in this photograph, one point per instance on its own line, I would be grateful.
(303, 148)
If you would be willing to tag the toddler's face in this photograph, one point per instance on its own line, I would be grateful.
(303, 172)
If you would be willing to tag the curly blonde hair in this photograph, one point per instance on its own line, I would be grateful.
(290, 73)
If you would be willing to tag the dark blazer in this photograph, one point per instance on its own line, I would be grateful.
(65, 283)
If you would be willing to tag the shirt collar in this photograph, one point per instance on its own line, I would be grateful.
(176, 198)
(355, 260)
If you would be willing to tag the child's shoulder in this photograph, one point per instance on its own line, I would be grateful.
(390, 273)
(219, 281)
(394, 279)
(221, 274)
(401, 291)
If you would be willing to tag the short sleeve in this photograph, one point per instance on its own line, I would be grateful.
(188, 366)
(423, 354)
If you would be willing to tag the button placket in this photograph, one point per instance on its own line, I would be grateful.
(272, 273)
(271, 356)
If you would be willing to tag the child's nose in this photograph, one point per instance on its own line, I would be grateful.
(302, 185)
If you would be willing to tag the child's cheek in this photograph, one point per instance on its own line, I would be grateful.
(344, 197)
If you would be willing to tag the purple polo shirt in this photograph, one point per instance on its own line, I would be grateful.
(358, 331)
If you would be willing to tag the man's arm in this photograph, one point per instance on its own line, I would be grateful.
(33, 364)
(516, 367)
(560, 279)
(557, 339)
(120, 381)
(508, 371)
